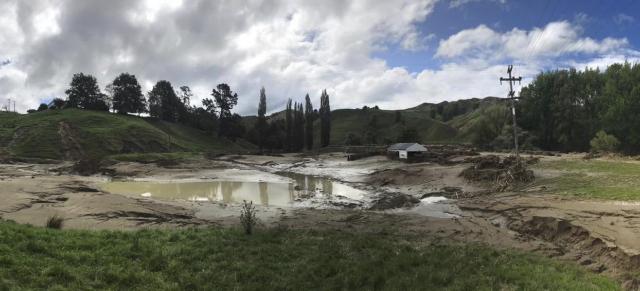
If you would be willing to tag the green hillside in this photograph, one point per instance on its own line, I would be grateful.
(445, 122)
(73, 134)
(345, 121)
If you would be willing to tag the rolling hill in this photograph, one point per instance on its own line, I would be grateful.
(445, 122)
(73, 134)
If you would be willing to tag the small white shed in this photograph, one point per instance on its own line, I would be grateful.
(406, 150)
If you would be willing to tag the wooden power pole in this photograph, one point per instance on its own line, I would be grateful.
(512, 96)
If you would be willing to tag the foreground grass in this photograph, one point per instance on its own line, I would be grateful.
(603, 179)
(218, 259)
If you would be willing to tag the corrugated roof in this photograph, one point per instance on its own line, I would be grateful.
(402, 146)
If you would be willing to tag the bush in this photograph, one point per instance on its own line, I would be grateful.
(248, 217)
(55, 222)
(604, 142)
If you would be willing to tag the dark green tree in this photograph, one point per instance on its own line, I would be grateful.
(43, 107)
(225, 100)
(298, 127)
(84, 93)
(58, 103)
(261, 126)
(309, 118)
(288, 123)
(127, 95)
(164, 103)
(325, 119)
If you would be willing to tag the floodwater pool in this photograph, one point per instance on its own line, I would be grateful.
(300, 188)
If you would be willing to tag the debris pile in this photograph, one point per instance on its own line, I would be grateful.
(503, 173)
(393, 200)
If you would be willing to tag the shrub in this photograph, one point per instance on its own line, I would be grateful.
(604, 142)
(55, 222)
(248, 217)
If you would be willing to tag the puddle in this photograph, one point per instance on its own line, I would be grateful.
(436, 206)
(303, 190)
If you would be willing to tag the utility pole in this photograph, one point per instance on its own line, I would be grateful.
(512, 96)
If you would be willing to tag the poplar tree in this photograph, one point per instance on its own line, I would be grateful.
(308, 122)
(288, 122)
(261, 124)
(325, 119)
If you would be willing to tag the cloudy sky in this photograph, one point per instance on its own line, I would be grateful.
(392, 53)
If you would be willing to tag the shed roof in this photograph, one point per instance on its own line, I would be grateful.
(411, 146)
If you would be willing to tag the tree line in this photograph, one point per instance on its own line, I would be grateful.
(215, 114)
(571, 110)
(295, 130)
(564, 109)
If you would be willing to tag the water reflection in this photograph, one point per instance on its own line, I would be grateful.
(264, 193)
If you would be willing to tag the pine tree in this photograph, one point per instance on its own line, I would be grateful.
(308, 121)
(325, 119)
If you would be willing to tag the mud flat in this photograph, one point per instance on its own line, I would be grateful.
(427, 201)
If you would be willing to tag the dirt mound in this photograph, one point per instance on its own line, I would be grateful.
(503, 173)
(393, 200)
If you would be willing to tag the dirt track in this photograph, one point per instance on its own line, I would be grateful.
(603, 236)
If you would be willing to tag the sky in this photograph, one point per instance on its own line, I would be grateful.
(393, 53)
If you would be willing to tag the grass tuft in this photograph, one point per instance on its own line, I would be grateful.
(55, 222)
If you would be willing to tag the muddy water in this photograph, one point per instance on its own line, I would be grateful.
(301, 188)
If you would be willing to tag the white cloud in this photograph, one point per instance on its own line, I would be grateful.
(555, 39)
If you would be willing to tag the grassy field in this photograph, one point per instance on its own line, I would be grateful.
(98, 134)
(604, 179)
(226, 259)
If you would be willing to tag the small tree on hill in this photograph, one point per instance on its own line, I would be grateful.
(43, 107)
(84, 93)
(164, 103)
(127, 95)
(58, 103)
